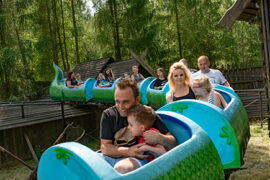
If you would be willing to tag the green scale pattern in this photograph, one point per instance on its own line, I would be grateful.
(203, 164)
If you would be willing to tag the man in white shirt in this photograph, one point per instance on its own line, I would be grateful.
(215, 75)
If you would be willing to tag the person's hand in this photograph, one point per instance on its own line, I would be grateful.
(134, 151)
(156, 150)
(144, 148)
(151, 137)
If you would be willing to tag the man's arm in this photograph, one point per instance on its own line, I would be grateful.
(167, 140)
(157, 149)
(220, 76)
(152, 137)
(111, 150)
(227, 84)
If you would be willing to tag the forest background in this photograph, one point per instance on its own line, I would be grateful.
(34, 34)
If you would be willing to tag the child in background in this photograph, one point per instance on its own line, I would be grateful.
(101, 82)
(127, 76)
(203, 90)
(78, 79)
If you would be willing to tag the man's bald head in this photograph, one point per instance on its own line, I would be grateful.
(203, 64)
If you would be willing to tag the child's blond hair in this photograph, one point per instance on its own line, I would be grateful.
(77, 75)
(204, 82)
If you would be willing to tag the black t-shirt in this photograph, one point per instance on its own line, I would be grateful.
(190, 95)
(73, 81)
(112, 124)
(160, 82)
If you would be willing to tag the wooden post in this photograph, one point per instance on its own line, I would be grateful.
(22, 110)
(261, 118)
(63, 115)
(265, 27)
(228, 71)
(30, 147)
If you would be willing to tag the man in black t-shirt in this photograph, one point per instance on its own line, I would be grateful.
(117, 143)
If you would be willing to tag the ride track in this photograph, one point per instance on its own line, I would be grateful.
(210, 140)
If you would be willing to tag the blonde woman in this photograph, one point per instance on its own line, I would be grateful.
(179, 82)
(203, 90)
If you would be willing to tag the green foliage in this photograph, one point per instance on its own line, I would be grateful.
(39, 151)
(94, 145)
(7, 63)
(138, 27)
(30, 36)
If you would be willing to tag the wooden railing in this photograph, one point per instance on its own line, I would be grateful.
(243, 76)
(247, 80)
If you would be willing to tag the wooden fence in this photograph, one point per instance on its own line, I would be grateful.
(42, 122)
(243, 76)
(247, 79)
(255, 102)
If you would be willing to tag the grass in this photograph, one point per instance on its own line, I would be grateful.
(257, 157)
(20, 172)
(256, 167)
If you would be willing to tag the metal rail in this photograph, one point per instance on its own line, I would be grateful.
(29, 103)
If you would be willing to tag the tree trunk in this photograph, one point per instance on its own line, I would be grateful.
(242, 43)
(178, 28)
(2, 26)
(113, 10)
(196, 13)
(58, 33)
(64, 34)
(76, 32)
(118, 52)
(54, 45)
(22, 51)
(3, 80)
(4, 73)
(6, 85)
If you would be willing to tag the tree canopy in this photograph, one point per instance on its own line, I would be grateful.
(36, 33)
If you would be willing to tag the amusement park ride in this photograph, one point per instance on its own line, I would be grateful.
(210, 140)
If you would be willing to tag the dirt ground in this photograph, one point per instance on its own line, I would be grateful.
(256, 167)
(257, 157)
